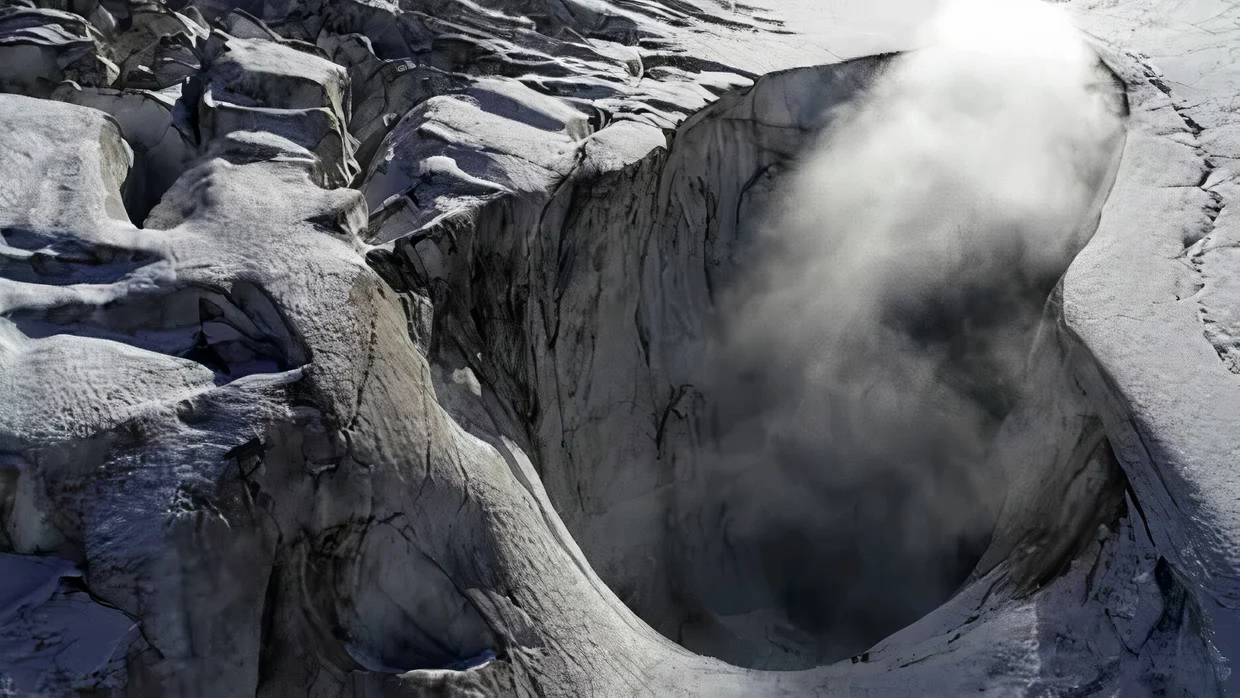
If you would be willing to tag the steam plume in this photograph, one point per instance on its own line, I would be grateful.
(878, 339)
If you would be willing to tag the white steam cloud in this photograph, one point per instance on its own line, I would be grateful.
(878, 340)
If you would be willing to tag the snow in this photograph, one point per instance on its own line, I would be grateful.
(445, 275)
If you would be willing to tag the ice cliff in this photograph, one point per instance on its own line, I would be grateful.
(363, 348)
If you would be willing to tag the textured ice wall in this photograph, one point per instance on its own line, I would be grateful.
(426, 283)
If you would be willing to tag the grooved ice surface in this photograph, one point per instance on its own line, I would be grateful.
(345, 350)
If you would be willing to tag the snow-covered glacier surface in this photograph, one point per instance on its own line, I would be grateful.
(618, 347)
